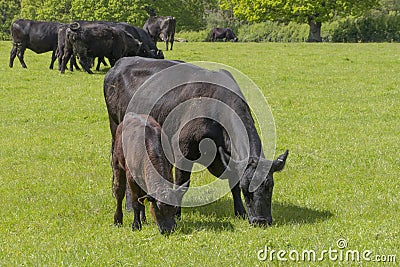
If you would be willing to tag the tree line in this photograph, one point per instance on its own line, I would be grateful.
(194, 15)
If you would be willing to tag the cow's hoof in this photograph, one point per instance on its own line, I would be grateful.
(241, 213)
(117, 220)
(136, 226)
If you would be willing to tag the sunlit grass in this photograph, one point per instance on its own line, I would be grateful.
(335, 106)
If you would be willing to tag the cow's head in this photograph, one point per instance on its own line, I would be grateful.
(257, 183)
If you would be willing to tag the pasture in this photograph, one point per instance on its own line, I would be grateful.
(336, 108)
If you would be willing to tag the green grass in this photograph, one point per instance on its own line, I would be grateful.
(336, 107)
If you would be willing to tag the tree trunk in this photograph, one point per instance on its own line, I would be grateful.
(315, 31)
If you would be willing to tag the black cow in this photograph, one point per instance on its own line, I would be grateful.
(148, 44)
(148, 47)
(93, 39)
(62, 46)
(222, 34)
(38, 36)
(161, 27)
(129, 74)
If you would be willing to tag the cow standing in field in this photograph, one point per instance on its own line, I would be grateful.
(130, 76)
(222, 34)
(38, 36)
(94, 39)
(62, 46)
(161, 27)
(139, 159)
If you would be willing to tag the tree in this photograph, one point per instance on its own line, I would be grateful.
(312, 12)
(9, 10)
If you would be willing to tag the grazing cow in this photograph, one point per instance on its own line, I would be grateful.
(93, 39)
(222, 33)
(130, 74)
(38, 36)
(161, 27)
(64, 45)
(139, 159)
(148, 44)
(148, 48)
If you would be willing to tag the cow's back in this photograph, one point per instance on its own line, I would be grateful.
(39, 36)
(129, 74)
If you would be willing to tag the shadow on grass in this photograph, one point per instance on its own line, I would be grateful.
(286, 213)
(216, 216)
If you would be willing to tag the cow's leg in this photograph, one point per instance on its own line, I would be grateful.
(53, 59)
(136, 193)
(20, 54)
(65, 58)
(142, 213)
(172, 39)
(73, 64)
(59, 57)
(13, 54)
(166, 44)
(216, 168)
(181, 177)
(99, 61)
(237, 199)
(119, 187)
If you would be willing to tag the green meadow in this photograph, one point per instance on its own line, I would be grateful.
(336, 108)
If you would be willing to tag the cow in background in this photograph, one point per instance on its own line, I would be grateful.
(222, 34)
(94, 39)
(38, 36)
(161, 27)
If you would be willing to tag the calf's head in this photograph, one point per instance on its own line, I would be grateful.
(163, 213)
(257, 183)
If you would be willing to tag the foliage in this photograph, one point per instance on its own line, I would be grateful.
(372, 28)
(9, 10)
(221, 19)
(273, 32)
(296, 10)
(193, 36)
(335, 107)
(312, 12)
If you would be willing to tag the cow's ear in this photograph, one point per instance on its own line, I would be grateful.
(279, 163)
(144, 199)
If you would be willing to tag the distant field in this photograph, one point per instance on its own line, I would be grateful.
(336, 107)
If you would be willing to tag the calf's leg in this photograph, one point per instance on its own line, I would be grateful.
(136, 193)
(119, 187)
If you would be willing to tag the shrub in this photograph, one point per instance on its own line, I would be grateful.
(372, 28)
(273, 32)
(193, 36)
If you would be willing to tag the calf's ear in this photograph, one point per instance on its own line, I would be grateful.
(144, 199)
(279, 163)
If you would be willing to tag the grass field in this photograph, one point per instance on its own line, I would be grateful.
(336, 107)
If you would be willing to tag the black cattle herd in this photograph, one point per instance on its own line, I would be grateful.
(137, 66)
